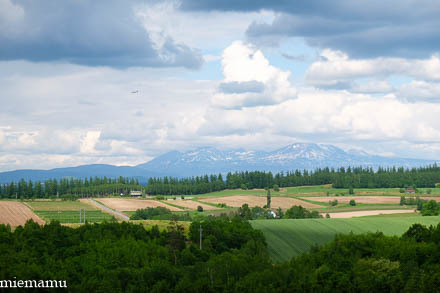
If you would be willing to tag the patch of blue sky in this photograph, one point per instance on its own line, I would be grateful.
(293, 55)
(398, 80)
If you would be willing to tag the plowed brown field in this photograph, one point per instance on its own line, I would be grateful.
(16, 214)
(366, 213)
(192, 205)
(123, 204)
(260, 201)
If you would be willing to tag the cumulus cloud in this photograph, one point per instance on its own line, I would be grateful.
(236, 87)
(420, 90)
(334, 116)
(336, 67)
(93, 33)
(250, 80)
(372, 87)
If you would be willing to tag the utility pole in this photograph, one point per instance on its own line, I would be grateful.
(82, 216)
(200, 236)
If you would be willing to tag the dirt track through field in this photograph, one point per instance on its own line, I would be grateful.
(358, 199)
(117, 214)
(366, 213)
(260, 201)
(16, 214)
(131, 205)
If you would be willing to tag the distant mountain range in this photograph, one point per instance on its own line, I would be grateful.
(209, 160)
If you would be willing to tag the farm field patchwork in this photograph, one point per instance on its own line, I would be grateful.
(16, 214)
(253, 201)
(124, 204)
(320, 190)
(358, 199)
(287, 238)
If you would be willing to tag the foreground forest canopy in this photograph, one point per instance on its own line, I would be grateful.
(339, 178)
(125, 257)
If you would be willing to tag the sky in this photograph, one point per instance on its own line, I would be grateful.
(120, 82)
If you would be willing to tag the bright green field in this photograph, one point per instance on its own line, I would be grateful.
(69, 217)
(59, 205)
(287, 238)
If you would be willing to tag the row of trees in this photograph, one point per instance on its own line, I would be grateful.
(340, 178)
(232, 257)
(70, 187)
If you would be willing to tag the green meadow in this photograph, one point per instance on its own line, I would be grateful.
(291, 237)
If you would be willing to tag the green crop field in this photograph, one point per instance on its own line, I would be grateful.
(287, 238)
(70, 217)
(59, 205)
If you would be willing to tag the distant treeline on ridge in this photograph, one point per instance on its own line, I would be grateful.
(357, 177)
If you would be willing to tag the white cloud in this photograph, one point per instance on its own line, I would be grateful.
(89, 141)
(335, 67)
(207, 30)
(372, 87)
(331, 116)
(244, 65)
(420, 90)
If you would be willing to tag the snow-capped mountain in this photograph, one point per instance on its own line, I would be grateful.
(208, 160)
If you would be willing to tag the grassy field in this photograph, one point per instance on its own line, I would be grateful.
(59, 205)
(71, 217)
(66, 212)
(287, 238)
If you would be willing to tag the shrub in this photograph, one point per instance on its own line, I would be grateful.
(430, 208)
(298, 212)
(276, 187)
(333, 202)
(151, 213)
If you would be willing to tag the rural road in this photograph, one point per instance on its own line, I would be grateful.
(117, 214)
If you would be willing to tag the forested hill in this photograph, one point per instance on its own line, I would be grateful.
(99, 170)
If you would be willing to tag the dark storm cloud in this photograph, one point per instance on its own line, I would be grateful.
(360, 28)
(235, 87)
(93, 33)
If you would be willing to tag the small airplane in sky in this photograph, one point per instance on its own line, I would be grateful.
(135, 92)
